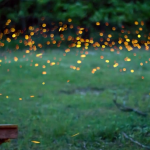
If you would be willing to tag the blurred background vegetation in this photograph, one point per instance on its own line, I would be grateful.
(126, 18)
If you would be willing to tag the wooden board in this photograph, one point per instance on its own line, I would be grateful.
(8, 131)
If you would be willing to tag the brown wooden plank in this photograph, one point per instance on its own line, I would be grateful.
(8, 126)
(8, 131)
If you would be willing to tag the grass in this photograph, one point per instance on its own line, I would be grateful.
(53, 112)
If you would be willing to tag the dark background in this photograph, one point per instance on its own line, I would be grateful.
(94, 16)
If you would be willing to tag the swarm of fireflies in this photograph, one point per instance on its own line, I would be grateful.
(124, 41)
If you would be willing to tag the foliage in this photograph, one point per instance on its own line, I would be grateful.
(83, 13)
(111, 10)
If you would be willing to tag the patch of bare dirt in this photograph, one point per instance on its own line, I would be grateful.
(83, 91)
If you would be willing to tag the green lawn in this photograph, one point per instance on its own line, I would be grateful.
(75, 102)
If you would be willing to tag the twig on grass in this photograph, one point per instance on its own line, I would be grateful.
(136, 142)
(128, 109)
